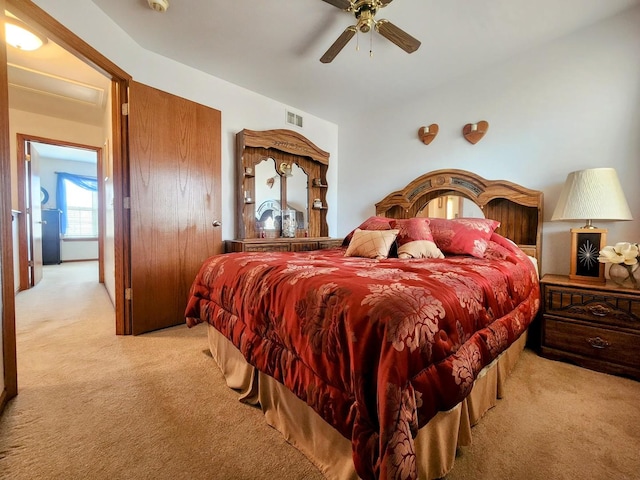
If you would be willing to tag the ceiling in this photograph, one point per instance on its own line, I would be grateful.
(59, 152)
(50, 81)
(273, 47)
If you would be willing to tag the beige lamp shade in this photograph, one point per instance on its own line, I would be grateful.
(592, 194)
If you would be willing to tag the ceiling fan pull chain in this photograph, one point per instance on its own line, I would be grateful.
(371, 43)
(357, 40)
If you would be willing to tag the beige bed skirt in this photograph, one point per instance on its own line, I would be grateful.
(303, 428)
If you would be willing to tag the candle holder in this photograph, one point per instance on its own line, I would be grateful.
(427, 134)
(474, 132)
(289, 223)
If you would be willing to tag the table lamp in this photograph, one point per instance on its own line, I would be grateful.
(591, 194)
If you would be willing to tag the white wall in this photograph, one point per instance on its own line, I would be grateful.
(572, 104)
(240, 108)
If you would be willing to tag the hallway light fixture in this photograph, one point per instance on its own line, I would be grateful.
(19, 35)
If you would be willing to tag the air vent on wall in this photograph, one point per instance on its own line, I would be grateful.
(294, 119)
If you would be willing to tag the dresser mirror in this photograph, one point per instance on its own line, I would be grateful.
(280, 170)
(277, 188)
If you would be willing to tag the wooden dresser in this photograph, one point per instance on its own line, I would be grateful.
(591, 325)
(281, 244)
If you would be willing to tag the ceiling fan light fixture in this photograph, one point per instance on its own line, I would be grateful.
(365, 12)
(19, 35)
(366, 21)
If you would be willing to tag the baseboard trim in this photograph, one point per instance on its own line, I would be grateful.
(80, 260)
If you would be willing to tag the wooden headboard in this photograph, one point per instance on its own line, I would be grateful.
(517, 208)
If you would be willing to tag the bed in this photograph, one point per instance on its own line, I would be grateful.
(377, 365)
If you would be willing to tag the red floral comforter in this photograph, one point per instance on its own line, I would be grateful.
(376, 347)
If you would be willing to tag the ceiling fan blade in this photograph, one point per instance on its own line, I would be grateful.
(394, 34)
(341, 4)
(339, 44)
(385, 2)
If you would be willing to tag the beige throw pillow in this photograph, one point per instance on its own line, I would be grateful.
(419, 249)
(371, 243)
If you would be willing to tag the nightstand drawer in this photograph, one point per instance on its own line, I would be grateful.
(593, 306)
(596, 343)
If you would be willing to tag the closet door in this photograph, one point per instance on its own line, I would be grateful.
(174, 171)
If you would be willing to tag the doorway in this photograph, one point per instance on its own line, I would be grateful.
(190, 208)
(98, 121)
(114, 138)
(54, 228)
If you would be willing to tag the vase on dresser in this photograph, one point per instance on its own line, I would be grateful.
(627, 276)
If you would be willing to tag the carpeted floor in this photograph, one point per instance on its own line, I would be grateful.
(93, 405)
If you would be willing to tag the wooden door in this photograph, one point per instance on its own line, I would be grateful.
(174, 174)
(34, 214)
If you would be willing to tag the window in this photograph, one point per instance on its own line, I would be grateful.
(82, 211)
(77, 198)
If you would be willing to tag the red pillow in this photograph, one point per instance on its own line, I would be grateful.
(415, 239)
(371, 223)
(463, 236)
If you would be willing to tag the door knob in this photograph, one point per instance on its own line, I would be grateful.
(216, 223)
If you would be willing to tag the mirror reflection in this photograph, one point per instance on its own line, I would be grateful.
(275, 183)
(451, 206)
(267, 196)
(298, 196)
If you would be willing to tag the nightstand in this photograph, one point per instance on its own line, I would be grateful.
(592, 325)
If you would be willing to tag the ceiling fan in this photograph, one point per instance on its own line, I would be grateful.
(365, 12)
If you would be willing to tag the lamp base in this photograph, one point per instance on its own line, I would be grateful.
(586, 244)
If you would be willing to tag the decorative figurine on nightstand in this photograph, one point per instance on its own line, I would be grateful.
(624, 258)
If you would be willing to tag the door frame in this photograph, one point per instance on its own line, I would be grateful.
(30, 13)
(23, 237)
(7, 293)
